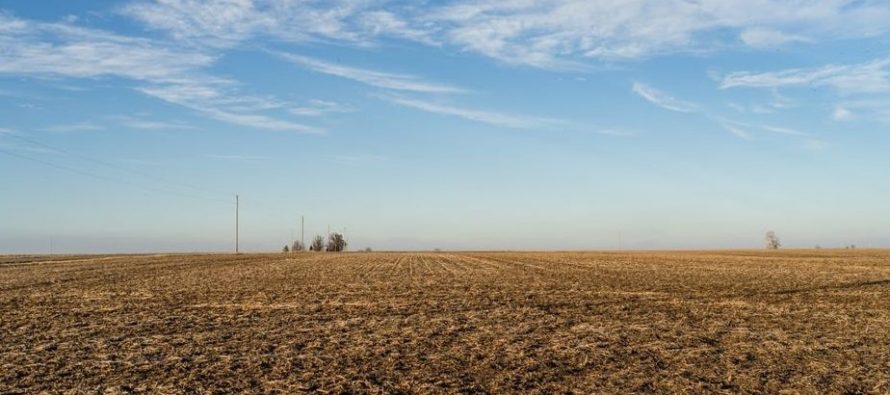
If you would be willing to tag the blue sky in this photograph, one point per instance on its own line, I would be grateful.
(570, 124)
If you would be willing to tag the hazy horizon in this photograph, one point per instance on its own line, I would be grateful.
(462, 125)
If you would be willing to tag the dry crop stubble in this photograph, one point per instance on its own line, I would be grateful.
(583, 322)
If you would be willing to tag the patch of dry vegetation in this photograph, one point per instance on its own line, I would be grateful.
(700, 322)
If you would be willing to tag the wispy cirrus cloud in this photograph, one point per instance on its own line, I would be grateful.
(746, 130)
(841, 113)
(209, 97)
(74, 127)
(862, 87)
(783, 130)
(540, 33)
(213, 22)
(737, 129)
(392, 81)
(409, 83)
(666, 101)
(225, 23)
(167, 72)
(315, 108)
(759, 37)
(873, 108)
(738, 132)
(378, 23)
(487, 117)
(869, 77)
(145, 123)
(36, 48)
(545, 34)
(662, 99)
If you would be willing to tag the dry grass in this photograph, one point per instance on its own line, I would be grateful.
(692, 322)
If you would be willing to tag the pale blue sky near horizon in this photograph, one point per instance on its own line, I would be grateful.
(129, 126)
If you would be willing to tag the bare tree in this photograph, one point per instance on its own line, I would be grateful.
(336, 243)
(297, 246)
(772, 241)
(317, 244)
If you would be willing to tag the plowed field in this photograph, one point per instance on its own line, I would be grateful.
(694, 322)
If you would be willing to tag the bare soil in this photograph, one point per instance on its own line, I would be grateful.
(661, 322)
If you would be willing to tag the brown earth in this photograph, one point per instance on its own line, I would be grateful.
(661, 322)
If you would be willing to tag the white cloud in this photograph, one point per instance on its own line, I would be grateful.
(877, 109)
(662, 99)
(780, 101)
(776, 102)
(215, 22)
(744, 131)
(867, 77)
(388, 23)
(258, 121)
(861, 89)
(74, 127)
(491, 118)
(315, 108)
(759, 37)
(400, 82)
(11, 25)
(149, 124)
(66, 50)
(168, 72)
(222, 23)
(782, 130)
(738, 132)
(214, 98)
(544, 33)
(540, 32)
(209, 98)
(841, 114)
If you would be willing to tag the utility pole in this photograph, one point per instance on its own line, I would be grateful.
(619, 240)
(302, 232)
(236, 223)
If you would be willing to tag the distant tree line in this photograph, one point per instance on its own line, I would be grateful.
(772, 241)
(334, 243)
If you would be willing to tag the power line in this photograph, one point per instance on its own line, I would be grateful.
(117, 167)
(104, 177)
(125, 181)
